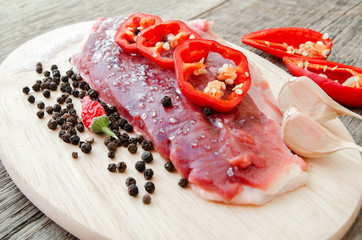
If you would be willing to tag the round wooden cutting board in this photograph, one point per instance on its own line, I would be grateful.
(83, 197)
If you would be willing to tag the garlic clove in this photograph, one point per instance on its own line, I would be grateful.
(305, 95)
(308, 138)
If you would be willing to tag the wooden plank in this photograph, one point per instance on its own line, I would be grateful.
(66, 189)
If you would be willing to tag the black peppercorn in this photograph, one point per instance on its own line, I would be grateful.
(85, 147)
(64, 78)
(59, 120)
(31, 99)
(92, 93)
(61, 133)
(72, 131)
(149, 187)
(49, 109)
(74, 139)
(75, 84)
(148, 174)
(39, 68)
(52, 124)
(82, 94)
(40, 114)
(41, 105)
(108, 140)
(121, 166)
(147, 145)
(46, 93)
(69, 73)
(133, 190)
(66, 137)
(128, 128)
(111, 154)
(75, 93)
(73, 77)
(124, 137)
(122, 122)
(183, 182)
(56, 73)
(132, 148)
(74, 154)
(78, 78)
(207, 111)
(57, 107)
(69, 105)
(147, 157)
(53, 67)
(140, 166)
(53, 86)
(26, 90)
(80, 127)
(46, 73)
(169, 166)
(166, 101)
(146, 199)
(132, 140)
(112, 146)
(130, 180)
(112, 167)
(36, 87)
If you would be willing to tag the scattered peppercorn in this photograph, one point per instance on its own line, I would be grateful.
(41, 105)
(140, 166)
(148, 174)
(130, 180)
(64, 79)
(166, 101)
(66, 137)
(112, 167)
(39, 68)
(49, 109)
(52, 124)
(124, 137)
(121, 166)
(74, 139)
(183, 182)
(54, 66)
(85, 147)
(40, 114)
(46, 73)
(133, 190)
(57, 107)
(69, 73)
(147, 157)
(75, 154)
(36, 87)
(69, 105)
(146, 199)
(112, 146)
(53, 86)
(111, 154)
(78, 78)
(82, 94)
(26, 90)
(46, 93)
(92, 93)
(31, 99)
(56, 73)
(149, 187)
(207, 111)
(122, 122)
(80, 127)
(132, 148)
(128, 127)
(169, 166)
(140, 138)
(147, 145)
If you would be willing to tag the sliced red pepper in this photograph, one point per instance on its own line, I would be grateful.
(191, 59)
(130, 28)
(158, 42)
(291, 42)
(341, 82)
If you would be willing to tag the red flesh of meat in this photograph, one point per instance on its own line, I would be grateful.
(219, 153)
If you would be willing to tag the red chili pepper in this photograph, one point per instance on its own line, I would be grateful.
(130, 28)
(227, 86)
(94, 117)
(158, 42)
(290, 41)
(341, 82)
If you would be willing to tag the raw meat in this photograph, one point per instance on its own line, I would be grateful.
(238, 157)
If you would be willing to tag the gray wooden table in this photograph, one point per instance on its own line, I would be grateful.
(22, 20)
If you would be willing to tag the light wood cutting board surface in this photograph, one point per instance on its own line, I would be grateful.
(86, 199)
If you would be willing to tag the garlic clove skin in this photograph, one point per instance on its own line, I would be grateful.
(305, 95)
(307, 138)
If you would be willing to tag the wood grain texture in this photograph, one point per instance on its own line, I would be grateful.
(21, 21)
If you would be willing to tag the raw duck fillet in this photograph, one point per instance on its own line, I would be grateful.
(237, 157)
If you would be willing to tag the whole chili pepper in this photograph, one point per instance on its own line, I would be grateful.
(131, 27)
(94, 117)
(159, 41)
(290, 41)
(191, 59)
(341, 82)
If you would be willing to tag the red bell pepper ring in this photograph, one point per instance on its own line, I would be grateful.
(291, 42)
(158, 42)
(130, 28)
(341, 82)
(191, 58)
